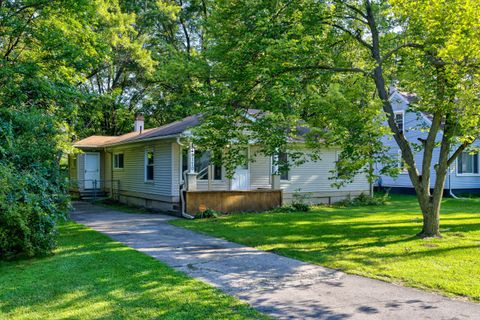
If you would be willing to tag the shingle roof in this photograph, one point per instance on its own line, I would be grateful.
(101, 141)
(93, 141)
(171, 129)
(168, 130)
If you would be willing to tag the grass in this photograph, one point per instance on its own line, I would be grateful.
(374, 241)
(91, 277)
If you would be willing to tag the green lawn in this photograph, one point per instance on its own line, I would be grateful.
(374, 241)
(92, 277)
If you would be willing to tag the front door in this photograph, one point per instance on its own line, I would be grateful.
(241, 178)
(92, 170)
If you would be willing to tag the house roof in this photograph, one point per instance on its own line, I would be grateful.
(410, 97)
(172, 129)
(101, 141)
(93, 141)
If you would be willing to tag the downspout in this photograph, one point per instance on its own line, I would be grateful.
(183, 188)
(450, 184)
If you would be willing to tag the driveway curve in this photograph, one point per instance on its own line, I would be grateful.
(278, 286)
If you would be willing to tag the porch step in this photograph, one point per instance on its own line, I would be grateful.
(91, 194)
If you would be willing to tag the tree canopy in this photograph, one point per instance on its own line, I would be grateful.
(328, 66)
(317, 72)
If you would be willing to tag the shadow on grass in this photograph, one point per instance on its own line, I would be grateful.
(91, 276)
(368, 240)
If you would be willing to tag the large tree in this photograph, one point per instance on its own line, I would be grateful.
(47, 50)
(155, 65)
(329, 65)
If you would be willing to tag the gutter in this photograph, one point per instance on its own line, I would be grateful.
(183, 188)
(142, 140)
(450, 192)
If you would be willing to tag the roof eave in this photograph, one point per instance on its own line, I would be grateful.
(141, 140)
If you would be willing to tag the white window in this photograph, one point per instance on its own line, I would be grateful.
(149, 165)
(399, 120)
(118, 161)
(467, 163)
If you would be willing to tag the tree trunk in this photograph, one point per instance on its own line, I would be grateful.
(431, 220)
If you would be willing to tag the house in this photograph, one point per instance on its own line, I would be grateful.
(154, 168)
(463, 176)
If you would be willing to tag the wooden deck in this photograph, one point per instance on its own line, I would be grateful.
(233, 201)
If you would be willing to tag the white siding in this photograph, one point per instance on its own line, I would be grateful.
(314, 176)
(107, 171)
(260, 169)
(132, 176)
(176, 168)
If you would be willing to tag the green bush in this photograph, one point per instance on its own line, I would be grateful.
(209, 213)
(364, 200)
(299, 201)
(33, 193)
(284, 209)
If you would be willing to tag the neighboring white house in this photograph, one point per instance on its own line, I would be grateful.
(147, 168)
(464, 174)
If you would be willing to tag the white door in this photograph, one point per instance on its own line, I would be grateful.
(241, 178)
(92, 170)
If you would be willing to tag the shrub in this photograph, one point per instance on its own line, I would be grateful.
(364, 200)
(209, 213)
(33, 194)
(284, 209)
(299, 201)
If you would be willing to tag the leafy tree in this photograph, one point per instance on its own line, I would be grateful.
(47, 50)
(154, 65)
(328, 65)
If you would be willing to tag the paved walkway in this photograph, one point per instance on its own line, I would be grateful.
(281, 287)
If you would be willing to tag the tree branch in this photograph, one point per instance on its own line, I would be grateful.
(400, 47)
(458, 152)
(326, 68)
(356, 10)
(353, 35)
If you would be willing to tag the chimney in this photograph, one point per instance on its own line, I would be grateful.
(392, 88)
(139, 123)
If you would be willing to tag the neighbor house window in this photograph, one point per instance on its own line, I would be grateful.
(202, 161)
(399, 120)
(118, 161)
(467, 163)
(283, 166)
(149, 165)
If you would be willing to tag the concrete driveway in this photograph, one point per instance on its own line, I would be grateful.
(278, 286)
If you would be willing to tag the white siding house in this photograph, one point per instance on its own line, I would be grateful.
(148, 168)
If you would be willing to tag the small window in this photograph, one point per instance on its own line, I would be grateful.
(149, 165)
(467, 163)
(118, 161)
(283, 166)
(202, 161)
(399, 120)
